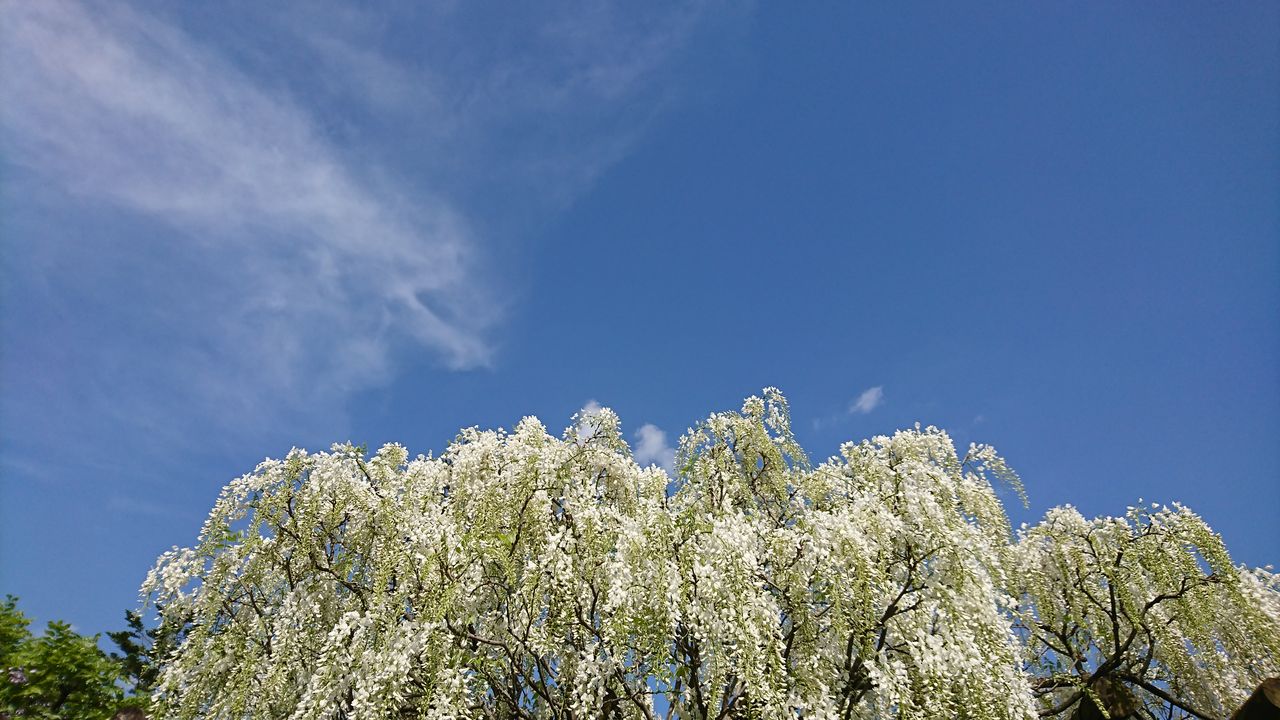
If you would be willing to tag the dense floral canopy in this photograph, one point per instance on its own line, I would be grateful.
(524, 575)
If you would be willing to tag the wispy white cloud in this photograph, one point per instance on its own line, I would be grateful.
(869, 400)
(306, 206)
(122, 109)
(552, 93)
(652, 448)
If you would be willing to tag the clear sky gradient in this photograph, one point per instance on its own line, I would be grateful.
(230, 229)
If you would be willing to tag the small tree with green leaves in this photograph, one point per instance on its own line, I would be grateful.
(142, 651)
(59, 674)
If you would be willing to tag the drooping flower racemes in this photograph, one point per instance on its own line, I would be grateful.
(526, 575)
(1142, 613)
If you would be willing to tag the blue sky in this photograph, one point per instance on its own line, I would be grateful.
(227, 230)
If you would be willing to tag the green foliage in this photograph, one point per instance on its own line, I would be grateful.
(59, 674)
(135, 644)
(142, 650)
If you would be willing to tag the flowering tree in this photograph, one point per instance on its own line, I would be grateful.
(523, 575)
(1143, 612)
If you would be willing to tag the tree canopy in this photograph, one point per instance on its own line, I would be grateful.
(60, 674)
(525, 575)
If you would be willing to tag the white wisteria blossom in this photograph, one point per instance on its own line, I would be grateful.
(525, 575)
(1143, 612)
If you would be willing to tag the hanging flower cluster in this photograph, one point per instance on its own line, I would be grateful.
(524, 575)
